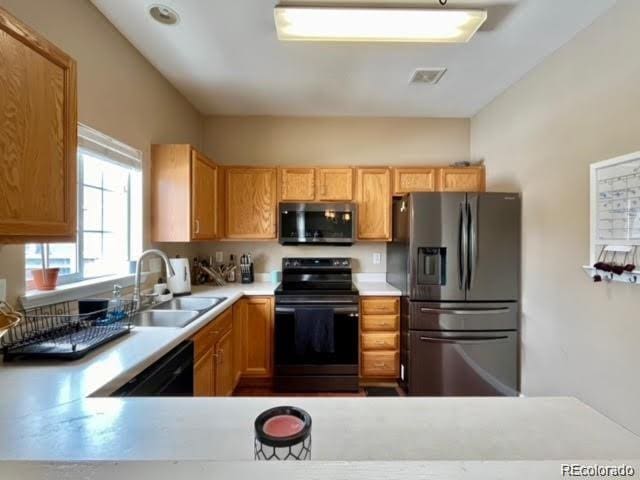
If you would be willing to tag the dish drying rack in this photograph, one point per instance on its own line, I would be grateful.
(60, 331)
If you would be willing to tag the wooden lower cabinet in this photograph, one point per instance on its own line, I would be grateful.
(224, 379)
(380, 338)
(238, 339)
(380, 364)
(213, 362)
(203, 375)
(257, 341)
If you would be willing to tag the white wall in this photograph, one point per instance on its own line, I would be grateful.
(580, 106)
(119, 92)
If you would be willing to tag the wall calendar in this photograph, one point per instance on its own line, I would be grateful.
(615, 203)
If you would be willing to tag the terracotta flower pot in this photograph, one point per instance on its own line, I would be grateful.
(46, 279)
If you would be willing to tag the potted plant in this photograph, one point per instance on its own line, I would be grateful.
(45, 278)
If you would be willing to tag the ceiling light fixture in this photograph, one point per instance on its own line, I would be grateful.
(354, 24)
(164, 14)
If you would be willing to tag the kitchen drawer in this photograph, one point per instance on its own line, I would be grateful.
(380, 306)
(380, 323)
(379, 341)
(380, 364)
(204, 339)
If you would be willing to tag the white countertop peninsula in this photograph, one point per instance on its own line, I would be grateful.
(52, 413)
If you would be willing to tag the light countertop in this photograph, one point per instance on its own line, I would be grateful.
(102, 372)
(344, 429)
(51, 412)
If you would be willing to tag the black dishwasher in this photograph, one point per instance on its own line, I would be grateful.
(171, 376)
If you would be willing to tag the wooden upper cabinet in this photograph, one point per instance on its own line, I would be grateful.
(251, 201)
(407, 180)
(335, 184)
(466, 179)
(373, 195)
(185, 195)
(297, 184)
(38, 137)
(204, 193)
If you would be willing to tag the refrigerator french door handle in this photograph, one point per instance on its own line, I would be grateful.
(464, 340)
(466, 311)
(463, 242)
(472, 207)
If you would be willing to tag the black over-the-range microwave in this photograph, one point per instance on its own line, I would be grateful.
(321, 223)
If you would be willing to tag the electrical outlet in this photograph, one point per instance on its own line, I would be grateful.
(377, 258)
(3, 290)
(219, 257)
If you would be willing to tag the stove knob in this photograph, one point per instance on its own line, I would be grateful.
(345, 263)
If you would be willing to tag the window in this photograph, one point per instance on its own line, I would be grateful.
(109, 214)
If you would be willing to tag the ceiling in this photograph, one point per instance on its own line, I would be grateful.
(225, 58)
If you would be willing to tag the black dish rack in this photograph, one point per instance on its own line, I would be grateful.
(60, 331)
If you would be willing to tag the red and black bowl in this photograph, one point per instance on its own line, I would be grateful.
(283, 433)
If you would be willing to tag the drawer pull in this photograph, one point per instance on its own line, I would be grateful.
(380, 364)
(380, 342)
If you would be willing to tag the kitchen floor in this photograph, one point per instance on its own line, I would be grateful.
(267, 391)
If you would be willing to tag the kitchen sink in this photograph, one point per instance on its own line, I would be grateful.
(189, 303)
(164, 318)
(177, 313)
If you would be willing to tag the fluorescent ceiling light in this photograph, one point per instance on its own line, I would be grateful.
(377, 24)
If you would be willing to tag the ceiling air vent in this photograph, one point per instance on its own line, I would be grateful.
(427, 76)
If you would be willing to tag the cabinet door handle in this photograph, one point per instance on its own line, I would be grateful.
(197, 226)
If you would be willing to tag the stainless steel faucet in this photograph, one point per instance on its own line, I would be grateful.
(146, 253)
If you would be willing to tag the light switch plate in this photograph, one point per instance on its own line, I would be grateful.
(3, 290)
(377, 258)
(219, 257)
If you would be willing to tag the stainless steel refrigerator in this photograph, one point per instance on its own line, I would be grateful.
(456, 258)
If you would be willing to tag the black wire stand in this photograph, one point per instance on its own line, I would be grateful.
(60, 331)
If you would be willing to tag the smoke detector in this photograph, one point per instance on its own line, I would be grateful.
(163, 14)
(427, 76)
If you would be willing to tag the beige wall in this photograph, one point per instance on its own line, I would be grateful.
(267, 256)
(336, 141)
(265, 140)
(119, 92)
(580, 106)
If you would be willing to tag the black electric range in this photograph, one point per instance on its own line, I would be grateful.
(316, 326)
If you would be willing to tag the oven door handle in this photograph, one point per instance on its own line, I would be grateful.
(353, 311)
